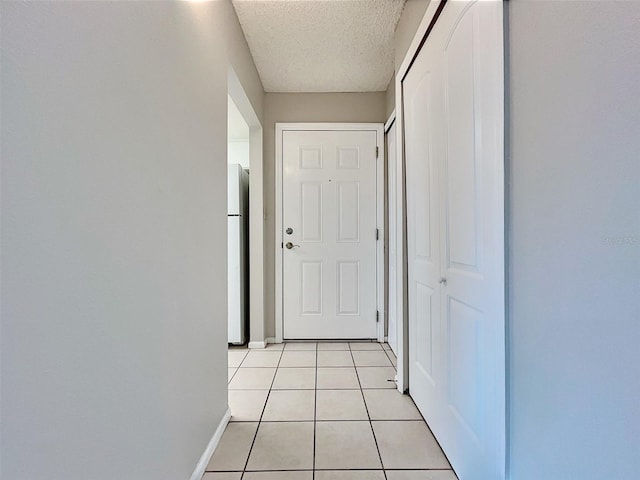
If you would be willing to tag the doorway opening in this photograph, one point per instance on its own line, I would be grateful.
(237, 224)
(245, 150)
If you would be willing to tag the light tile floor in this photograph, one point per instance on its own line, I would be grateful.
(322, 411)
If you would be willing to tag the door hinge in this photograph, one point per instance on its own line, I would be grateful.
(377, 234)
(377, 316)
(377, 152)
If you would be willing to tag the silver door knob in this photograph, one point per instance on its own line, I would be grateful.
(290, 245)
(443, 282)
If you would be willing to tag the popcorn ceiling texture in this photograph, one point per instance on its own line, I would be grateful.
(321, 45)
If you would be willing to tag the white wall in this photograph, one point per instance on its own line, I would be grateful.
(113, 236)
(574, 297)
(407, 27)
(237, 136)
(238, 152)
(241, 61)
(390, 97)
(303, 107)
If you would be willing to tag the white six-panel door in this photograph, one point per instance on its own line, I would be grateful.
(453, 113)
(329, 234)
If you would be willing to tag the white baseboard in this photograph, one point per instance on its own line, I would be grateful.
(211, 447)
(264, 344)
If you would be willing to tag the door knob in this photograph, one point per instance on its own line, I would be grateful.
(443, 282)
(290, 245)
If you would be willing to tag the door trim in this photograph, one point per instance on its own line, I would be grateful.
(391, 229)
(390, 121)
(380, 266)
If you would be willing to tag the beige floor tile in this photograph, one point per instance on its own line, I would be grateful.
(236, 357)
(337, 378)
(298, 358)
(386, 346)
(333, 346)
(335, 359)
(306, 475)
(340, 405)
(274, 346)
(295, 378)
(252, 379)
(247, 405)
(283, 446)
(350, 475)
(232, 372)
(390, 405)
(345, 445)
(421, 475)
(376, 377)
(408, 445)
(222, 476)
(289, 405)
(233, 449)
(371, 359)
(261, 358)
(365, 346)
(300, 346)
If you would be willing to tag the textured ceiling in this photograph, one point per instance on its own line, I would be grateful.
(321, 45)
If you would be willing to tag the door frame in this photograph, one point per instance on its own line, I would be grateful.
(256, 258)
(380, 266)
(391, 229)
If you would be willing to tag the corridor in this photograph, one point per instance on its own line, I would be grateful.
(323, 411)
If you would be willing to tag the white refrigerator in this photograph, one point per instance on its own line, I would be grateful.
(238, 228)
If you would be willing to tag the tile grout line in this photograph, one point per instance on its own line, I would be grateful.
(243, 358)
(315, 419)
(237, 369)
(389, 357)
(315, 415)
(384, 472)
(335, 420)
(234, 374)
(255, 435)
(422, 419)
(271, 388)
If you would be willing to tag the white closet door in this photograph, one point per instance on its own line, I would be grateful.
(453, 100)
(329, 219)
